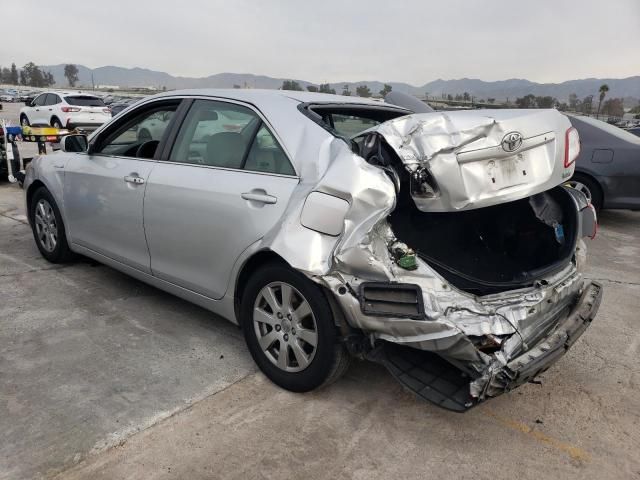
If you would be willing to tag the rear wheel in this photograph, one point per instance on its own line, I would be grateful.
(55, 123)
(289, 329)
(588, 187)
(48, 228)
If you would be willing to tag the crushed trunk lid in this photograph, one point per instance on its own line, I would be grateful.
(472, 159)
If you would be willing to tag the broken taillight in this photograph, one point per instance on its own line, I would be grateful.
(571, 146)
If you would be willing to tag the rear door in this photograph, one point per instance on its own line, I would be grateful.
(104, 190)
(221, 187)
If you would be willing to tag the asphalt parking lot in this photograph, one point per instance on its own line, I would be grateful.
(104, 377)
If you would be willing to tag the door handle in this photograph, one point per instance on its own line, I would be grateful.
(134, 179)
(255, 196)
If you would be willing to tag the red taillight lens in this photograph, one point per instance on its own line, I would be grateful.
(107, 110)
(571, 146)
(70, 109)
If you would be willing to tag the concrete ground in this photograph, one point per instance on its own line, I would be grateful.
(103, 377)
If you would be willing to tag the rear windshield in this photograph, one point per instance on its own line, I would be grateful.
(84, 101)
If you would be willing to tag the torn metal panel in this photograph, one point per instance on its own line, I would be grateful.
(480, 158)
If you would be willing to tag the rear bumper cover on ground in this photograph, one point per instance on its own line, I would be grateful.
(435, 380)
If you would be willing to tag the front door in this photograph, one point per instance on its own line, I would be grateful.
(104, 189)
(224, 185)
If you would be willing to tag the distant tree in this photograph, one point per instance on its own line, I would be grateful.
(458, 97)
(528, 101)
(466, 97)
(604, 88)
(164, 88)
(5, 75)
(47, 79)
(573, 102)
(326, 88)
(386, 89)
(236, 86)
(563, 107)
(449, 97)
(613, 107)
(312, 88)
(545, 102)
(491, 100)
(363, 91)
(13, 77)
(291, 85)
(635, 109)
(71, 74)
(345, 90)
(587, 104)
(23, 78)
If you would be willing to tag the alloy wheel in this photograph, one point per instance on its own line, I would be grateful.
(285, 327)
(46, 227)
(581, 187)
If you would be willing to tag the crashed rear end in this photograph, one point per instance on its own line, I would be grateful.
(450, 248)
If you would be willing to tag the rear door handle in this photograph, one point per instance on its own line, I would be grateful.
(254, 196)
(134, 179)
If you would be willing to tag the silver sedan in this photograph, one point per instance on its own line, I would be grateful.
(442, 245)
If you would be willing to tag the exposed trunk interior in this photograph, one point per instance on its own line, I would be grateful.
(491, 249)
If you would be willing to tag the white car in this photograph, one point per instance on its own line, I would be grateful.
(65, 110)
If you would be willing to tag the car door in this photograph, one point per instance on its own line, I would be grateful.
(49, 106)
(104, 189)
(222, 186)
(37, 113)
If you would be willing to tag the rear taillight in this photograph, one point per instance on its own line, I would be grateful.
(571, 146)
(70, 109)
(107, 110)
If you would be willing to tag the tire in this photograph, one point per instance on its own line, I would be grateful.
(48, 228)
(589, 187)
(55, 123)
(327, 360)
(24, 121)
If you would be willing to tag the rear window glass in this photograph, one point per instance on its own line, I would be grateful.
(85, 101)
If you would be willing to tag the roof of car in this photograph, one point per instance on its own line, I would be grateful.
(257, 96)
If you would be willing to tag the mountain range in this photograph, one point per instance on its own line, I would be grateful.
(500, 90)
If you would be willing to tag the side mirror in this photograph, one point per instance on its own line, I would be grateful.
(74, 143)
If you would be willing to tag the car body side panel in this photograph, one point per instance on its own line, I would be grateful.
(104, 212)
(197, 222)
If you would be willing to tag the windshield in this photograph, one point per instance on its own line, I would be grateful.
(84, 101)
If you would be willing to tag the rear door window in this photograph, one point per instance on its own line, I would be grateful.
(84, 101)
(52, 99)
(215, 134)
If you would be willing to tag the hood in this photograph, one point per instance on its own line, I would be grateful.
(472, 159)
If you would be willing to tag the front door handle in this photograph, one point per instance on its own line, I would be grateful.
(134, 179)
(259, 196)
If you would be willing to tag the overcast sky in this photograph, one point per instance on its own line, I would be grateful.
(333, 40)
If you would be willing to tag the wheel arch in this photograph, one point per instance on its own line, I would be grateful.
(55, 117)
(254, 262)
(594, 178)
(35, 185)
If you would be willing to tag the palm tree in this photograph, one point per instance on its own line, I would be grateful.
(604, 88)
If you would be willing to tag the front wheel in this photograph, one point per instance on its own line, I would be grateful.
(48, 228)
(55, 123)
(24, 121)
(289, 329)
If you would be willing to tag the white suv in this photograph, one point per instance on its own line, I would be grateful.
(65, 110)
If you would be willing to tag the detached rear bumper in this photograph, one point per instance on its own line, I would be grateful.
(437, 381)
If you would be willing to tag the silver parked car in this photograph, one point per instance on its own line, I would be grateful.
(442, 245)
